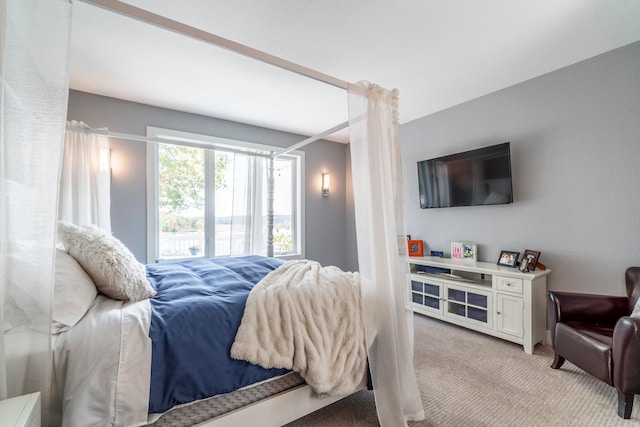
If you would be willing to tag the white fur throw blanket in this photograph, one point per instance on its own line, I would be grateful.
(306, 318)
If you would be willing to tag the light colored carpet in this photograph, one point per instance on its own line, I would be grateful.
(470, 379)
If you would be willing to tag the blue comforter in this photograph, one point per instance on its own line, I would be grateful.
(194, 319)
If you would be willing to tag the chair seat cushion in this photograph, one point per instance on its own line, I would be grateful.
(588, 346)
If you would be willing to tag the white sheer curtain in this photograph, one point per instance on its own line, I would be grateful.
(248, 222)
(34, 40)
(377, 188)
(85, 178)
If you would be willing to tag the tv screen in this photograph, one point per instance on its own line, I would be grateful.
(475, 177)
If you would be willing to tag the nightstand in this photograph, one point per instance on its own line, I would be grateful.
(21, 411)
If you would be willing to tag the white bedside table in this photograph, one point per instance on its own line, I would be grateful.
(21, 411)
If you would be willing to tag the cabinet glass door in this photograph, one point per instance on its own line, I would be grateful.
(477, 314)
(426, 295)
(417, 295)
(432, 296)
(468, 304)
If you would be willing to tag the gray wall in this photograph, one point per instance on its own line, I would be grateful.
(575, 138)
(325, 224)
(575, 145)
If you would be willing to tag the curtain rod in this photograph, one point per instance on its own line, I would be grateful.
(312, 139)
(131, 137)
(265, 153)
(189, 31)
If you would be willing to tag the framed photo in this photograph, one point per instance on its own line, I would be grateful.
(465, 251)
(416, 247)
(524, 265)
(469, 251)
(532, 258)
(508, 258)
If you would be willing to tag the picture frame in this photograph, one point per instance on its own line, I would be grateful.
(465, 251)
(416, 247)
(532, 258)
(508, 258)
(524, 265)
(469, 251)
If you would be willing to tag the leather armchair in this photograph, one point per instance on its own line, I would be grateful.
(595, 333)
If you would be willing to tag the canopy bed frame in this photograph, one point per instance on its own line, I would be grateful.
(290, 404)
(386, 313)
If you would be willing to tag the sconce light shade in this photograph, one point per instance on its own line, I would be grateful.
(326, 184)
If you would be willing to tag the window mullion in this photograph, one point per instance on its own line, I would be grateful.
(209, 203)
(153, 227)
(295, 235)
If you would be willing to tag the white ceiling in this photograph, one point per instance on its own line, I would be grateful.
(438, 53)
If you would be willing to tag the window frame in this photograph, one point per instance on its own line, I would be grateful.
(169, 136)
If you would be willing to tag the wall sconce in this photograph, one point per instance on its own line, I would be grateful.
(326, 184)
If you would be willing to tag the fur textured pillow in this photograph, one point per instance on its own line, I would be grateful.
(113, 268)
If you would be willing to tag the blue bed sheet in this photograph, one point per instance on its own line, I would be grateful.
(194, 319)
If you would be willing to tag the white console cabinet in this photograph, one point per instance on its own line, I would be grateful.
(21, 411)
(488, 298)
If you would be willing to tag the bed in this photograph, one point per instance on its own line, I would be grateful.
(167, 348)
(377, 196)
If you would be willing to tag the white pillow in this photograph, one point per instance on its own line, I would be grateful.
(113, 268)
(73, 292)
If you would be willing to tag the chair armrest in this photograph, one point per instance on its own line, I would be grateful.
(571, 306)
(626, 355)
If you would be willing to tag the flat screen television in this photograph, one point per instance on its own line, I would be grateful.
(470, 178)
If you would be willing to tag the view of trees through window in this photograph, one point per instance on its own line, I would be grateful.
(183, 193)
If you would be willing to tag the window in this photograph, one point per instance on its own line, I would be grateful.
(207, 197)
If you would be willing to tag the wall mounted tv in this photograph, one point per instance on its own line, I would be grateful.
(475, 177)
